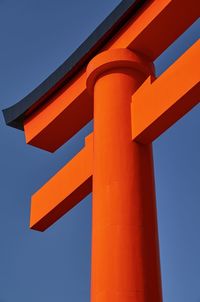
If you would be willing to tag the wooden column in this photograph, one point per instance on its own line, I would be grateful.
(125, 252)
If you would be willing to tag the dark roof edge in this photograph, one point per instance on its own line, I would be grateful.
(14, 115)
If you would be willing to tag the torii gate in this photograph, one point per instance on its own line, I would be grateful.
(111, 78)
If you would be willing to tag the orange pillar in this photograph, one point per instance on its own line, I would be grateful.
(125, 253)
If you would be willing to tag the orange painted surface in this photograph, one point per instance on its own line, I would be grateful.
(64, 190)
(125, 253)
(129, 112)
(149, 32)
(159, 104)
(60, 118)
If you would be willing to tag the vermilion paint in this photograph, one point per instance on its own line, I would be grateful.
(125, 255)
(159, 103)
(116, 164)
(149, 32)
(64, 190)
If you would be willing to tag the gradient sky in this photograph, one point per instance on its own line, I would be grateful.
(54, 266)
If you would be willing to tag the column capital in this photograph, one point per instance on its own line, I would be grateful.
(114, 59)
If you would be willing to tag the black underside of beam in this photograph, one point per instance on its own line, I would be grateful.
(14, 116)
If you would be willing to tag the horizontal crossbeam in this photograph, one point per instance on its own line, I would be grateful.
(64, 190)
(149, 32)
(158, 104)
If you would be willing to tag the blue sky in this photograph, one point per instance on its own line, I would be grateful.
(36, 37)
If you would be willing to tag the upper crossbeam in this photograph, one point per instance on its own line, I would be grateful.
(148, 32)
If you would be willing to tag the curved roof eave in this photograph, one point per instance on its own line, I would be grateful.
(15, 115)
